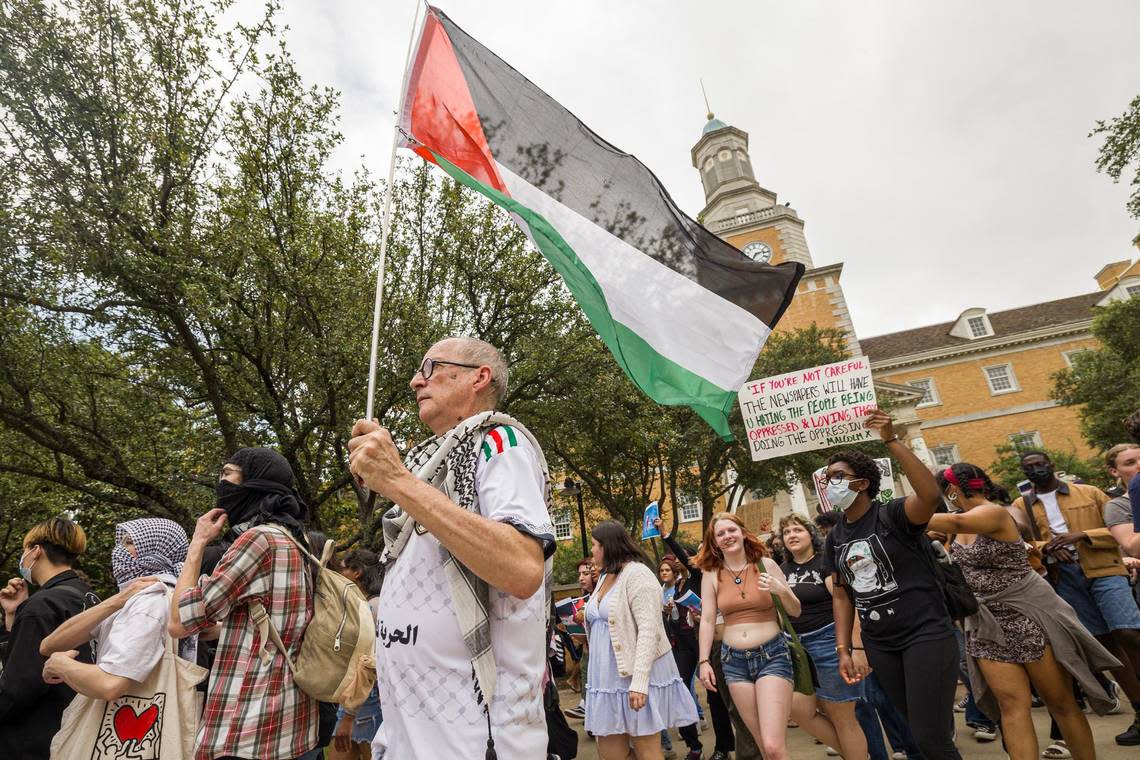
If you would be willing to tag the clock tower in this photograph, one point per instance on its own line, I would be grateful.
(748, 216)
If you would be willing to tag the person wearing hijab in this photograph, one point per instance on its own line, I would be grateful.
(129, 628)
(253, 706)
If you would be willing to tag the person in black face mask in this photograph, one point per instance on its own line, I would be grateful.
(263, 494)
(1066, 522)
(253, 707)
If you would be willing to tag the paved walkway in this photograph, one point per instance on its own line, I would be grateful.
(803, 747)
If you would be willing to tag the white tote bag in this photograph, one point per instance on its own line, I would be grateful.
(157, 721)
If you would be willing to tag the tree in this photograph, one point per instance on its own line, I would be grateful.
(1105, 382)
(182, 274)
(1121, 150)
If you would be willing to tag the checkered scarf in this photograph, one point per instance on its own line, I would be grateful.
(160, 544)
(448, 462)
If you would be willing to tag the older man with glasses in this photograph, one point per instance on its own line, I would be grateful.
(461, 648)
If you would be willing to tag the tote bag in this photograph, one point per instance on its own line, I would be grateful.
(156, 721)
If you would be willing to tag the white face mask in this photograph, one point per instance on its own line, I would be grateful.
(840, 494)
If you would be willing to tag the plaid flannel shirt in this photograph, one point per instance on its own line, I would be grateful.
(253, 710)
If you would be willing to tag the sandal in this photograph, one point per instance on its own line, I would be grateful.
(1058, 750)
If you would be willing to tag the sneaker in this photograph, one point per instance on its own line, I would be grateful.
(1058, 750)
(960, 705)
(898, 756)
(577, 712)
(718, 755)
(985, 733)
(1117, 703)
(1037, 701)
(1131, 737)
(832, 752)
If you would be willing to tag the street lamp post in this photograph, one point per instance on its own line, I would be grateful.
(570, 487)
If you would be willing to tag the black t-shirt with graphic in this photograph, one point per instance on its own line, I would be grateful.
(807, 582)
(879, 559)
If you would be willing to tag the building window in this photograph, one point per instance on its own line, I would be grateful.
(690, 508)
(945, 454)
(1001, 379)
(1068, 355)
(724, 155)
(562, 530)
(929, 392)
(1132, 290)
(978, 327)
(1024, 441)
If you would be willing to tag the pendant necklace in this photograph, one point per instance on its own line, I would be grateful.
(736, 577)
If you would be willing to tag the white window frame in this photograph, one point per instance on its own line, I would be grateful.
(563, 525)
(1132, 290)
(1013, 386)
(931, 390)
(690, 508)
(1035, 443)
(980, 320)
(1068, 355)
(944, 447)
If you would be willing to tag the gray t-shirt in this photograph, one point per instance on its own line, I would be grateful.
(1118, 511)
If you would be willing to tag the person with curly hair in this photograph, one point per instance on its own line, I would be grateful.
(1023, 632)
(879, 555)
(741, 582)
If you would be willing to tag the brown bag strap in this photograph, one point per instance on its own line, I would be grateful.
(268, 634)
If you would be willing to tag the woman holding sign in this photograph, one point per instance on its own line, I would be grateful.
(743, 584)
(633, 690)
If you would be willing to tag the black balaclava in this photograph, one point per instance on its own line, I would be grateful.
(265, 495)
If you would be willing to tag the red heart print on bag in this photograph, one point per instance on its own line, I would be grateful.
(131, 725)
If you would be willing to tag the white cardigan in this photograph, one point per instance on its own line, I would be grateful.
(637, 630)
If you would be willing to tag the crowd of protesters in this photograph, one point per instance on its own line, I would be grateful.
(857, 624)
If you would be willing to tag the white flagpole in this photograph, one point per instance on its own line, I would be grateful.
(386, 222)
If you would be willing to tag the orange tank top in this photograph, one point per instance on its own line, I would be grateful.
(743, 602)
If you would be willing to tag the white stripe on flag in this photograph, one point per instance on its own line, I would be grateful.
(681, 320)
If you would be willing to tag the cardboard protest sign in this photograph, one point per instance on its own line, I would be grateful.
(886, 484)
(648, 530)
(808, 409)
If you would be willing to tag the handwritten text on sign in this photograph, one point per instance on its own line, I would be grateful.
(808, 409)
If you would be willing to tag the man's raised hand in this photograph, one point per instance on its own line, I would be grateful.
(373, 458)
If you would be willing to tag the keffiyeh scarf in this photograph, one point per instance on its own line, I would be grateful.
(160, 544)
(449, 462)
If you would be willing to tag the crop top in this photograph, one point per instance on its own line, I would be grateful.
(743, 602)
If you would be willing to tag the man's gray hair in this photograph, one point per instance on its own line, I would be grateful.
(476, 351)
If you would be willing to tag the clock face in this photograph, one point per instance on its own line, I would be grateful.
(758, 251)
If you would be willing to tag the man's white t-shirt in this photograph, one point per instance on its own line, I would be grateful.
(1057, 522)
(424, 672)
(130, 642)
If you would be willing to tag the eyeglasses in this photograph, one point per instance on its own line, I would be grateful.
(428, 367)
(839, 477)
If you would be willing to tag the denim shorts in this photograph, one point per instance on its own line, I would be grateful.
(829, 685)
(750, 665)
(1102, 604)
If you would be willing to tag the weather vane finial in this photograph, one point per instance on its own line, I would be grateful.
(706, 95)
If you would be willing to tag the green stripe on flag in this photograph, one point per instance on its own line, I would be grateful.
(659, 377)
(486, 451)
(510, 435)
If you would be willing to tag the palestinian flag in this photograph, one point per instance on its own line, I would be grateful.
(684, 313)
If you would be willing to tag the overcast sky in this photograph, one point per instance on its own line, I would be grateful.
(938, 149)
